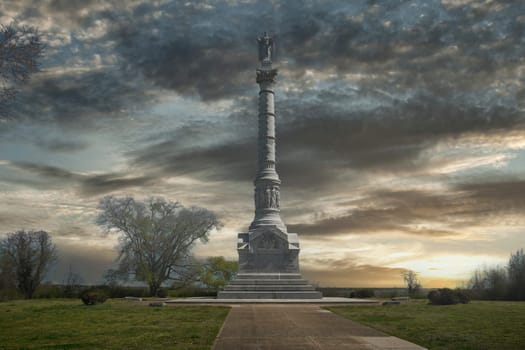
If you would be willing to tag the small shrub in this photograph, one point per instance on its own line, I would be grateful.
(447, 296)
(463, 297)
(93, 296)
(162, 293)
(362, 293)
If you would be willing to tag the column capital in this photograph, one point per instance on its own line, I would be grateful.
(266, 75)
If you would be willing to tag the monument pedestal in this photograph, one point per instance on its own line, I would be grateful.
(268, 267)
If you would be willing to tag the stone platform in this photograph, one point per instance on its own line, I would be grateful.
(269, 286)
(322, 301)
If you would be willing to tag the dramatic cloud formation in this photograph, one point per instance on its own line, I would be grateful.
(400, 127)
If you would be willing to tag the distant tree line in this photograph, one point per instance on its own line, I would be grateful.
(156, 241)
(500, 283)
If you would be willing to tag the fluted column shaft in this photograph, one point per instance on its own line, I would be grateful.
(267, 191)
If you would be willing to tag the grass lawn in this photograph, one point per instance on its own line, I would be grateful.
(116, 324)
(494, 325)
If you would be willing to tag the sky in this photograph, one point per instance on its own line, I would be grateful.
(400, 129)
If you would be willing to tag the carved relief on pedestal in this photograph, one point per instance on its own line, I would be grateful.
(267, 197)
(268, 241)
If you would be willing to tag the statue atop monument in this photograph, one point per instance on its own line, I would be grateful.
(266, 49)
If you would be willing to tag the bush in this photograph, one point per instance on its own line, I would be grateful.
(162, 293)
(447, 296)
(93, 296)
(362, 293)
(463, 297)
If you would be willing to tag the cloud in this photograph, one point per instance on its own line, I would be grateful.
(78, 99)
(106, 183)
(59, 146)
(497, 200)
(44, 170)
(442, 213)
(208, 58)
(86, 185)
(319, 143)
(373, 221)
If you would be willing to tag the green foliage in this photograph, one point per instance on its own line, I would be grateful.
(478, 325)
(447, 296)
(217, 272)
(362, 293)
(93, 296)
(116, 324)
(156, 238)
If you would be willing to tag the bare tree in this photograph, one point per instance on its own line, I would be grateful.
(516, 275)
(411, 281)
(489, 282)
(20, 48)
(156, 237)
(27, 255)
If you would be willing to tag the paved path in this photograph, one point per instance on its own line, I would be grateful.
(290, 327)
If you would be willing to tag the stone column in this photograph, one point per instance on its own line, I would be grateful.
(268, 254)
(267, 191)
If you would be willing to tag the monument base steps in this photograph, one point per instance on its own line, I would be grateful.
(269, 286)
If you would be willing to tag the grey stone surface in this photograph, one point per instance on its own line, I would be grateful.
(274, 327)
(321, 301)
(267, 247)
(269, 286)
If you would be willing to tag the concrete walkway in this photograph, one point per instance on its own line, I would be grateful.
(290, 327)
(322, 301)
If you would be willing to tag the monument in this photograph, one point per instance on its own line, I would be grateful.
(268, 253)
